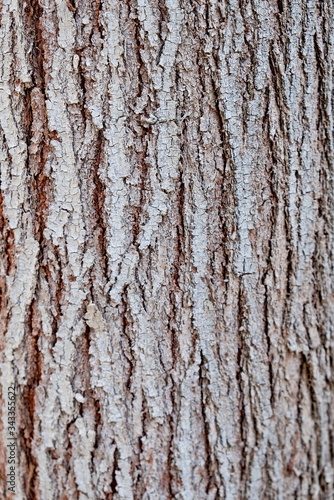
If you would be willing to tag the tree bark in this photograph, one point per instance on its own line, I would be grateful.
(167, 248)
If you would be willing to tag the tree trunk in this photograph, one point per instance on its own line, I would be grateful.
(167, 249)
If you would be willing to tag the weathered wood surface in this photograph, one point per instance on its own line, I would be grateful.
(167, 248)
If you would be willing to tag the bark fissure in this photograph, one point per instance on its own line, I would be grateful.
(167, 244)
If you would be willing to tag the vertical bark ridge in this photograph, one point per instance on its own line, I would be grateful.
(167, 232)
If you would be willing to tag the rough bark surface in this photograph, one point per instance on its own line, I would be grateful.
(167, 248)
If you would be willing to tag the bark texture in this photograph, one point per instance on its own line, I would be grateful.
(167, 248)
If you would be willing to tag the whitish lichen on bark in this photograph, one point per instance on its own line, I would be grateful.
(167, 244)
